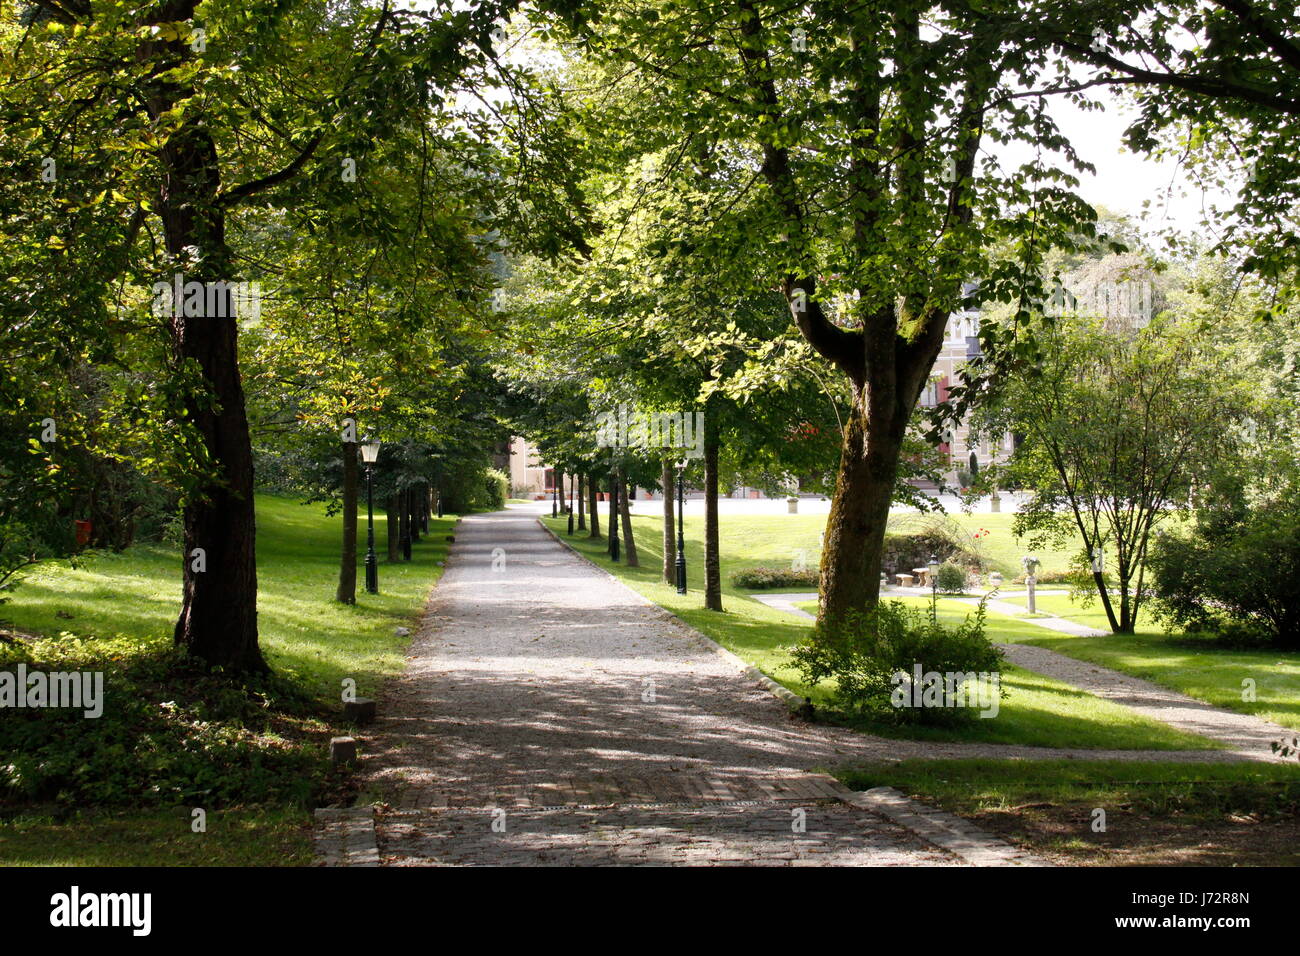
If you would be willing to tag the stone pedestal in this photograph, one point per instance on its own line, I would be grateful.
(343, 750)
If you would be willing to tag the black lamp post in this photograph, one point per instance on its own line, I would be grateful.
(555, 492)
(681, 542)
(405, 540)
(933, 567)
(572, 479)
(613, 513)
(369, 455)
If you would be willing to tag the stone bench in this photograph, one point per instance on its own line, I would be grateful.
(904, 580)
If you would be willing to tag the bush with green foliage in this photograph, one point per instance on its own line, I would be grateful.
(864, 651)
(912, 539)
(496, 489)
(1237, 574)
(950, 578)
(763, 577)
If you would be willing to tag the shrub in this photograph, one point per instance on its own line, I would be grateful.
(170, 733)
(1236, 576)
(865, 651)
(950, 578)
(760, 578)
(496, 488)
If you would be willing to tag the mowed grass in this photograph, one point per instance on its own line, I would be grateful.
(116, 612)
(1264, 682)
(1037, 711)
(1093, 614)
(134, 597)
(777, 540)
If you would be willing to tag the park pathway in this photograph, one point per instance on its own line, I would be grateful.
(550, 715)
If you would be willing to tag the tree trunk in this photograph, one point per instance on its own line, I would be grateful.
(629, 542)
(347, 590)
(404, 523)
(413, 505)
(855, 528)
(218, 619)
(393, 529)
(670, 533)
(591, 507)
(712, 559)
(582, 518)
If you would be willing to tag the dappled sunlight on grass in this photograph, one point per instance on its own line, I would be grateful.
(136, 595)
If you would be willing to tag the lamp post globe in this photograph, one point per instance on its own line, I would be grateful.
(572, 492)
(369, 455)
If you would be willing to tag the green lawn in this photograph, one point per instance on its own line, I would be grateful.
(1094, 615)
(775, 540)
(1037, 711)
(173, 736)
(132, 598)
(1193, 665)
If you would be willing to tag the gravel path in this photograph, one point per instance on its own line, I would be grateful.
(1247, 735)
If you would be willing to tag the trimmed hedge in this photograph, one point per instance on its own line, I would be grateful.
(761, 578)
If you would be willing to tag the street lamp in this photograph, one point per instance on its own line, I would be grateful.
(572, 479)
(613, 510)
(681, 541)
(555, 492)
(369, 455)
(933, 567)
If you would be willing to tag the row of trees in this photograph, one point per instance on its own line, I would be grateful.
(336, 183)
(790, 199)
(759, 211)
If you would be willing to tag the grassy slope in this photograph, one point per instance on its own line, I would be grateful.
(1037, 712)
(120, 608)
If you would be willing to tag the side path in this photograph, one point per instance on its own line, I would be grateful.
(1247, 736)
(538, 682)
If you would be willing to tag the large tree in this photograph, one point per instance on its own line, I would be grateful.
(856, 131)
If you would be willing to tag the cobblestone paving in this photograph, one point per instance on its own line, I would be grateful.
(757, 834)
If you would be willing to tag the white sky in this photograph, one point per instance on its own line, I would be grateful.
(1123, 180)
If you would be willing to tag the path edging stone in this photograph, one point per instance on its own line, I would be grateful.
(345, 837)
(947, 831)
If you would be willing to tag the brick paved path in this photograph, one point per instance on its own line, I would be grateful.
(756, 834)
(547, 684)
